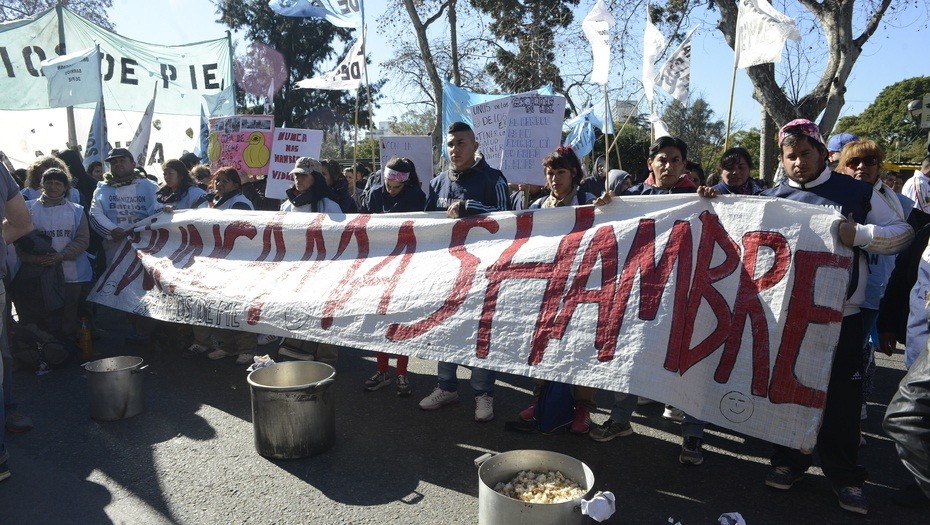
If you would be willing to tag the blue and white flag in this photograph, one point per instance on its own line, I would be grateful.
(139, 147)
(580, 134)
(340, 13)
(97, 147)
(202, 138)
(73, 78)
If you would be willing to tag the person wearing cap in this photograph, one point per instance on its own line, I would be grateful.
(917, 188)
(124, 198)
(66, 225)
(869, 226)
(734, 168)
(307, 195)
(835, 147)
(190, 160)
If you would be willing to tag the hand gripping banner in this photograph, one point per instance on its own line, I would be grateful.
(727, 308)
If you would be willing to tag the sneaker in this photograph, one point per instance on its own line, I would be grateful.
(438, 399)
(782, 478)
(377, 381)
(266, 339)
(219, 353)
(293, 353)
(4, 471)
(851, 499)
(691, 451)
(911, 497)
(195, 350)
(245, 358)
(528, 413)
(403, 386)
(18, 423)
(484, 408)
(581, 423)
(673, 414)
(609, 430)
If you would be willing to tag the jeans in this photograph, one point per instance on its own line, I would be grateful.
(625, 404)
(482, 380)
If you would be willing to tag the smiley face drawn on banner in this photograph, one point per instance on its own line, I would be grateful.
(108, 288)
(736, 407)
(295, 317)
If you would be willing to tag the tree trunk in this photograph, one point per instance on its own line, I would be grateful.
(767, 157)
(454, 43)
(429, 62)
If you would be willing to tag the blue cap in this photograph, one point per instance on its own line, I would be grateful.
(839, 140)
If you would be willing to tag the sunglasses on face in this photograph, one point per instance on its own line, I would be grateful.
(868, 161)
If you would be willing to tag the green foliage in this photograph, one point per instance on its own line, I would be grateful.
(414, 122)
(307, 47)
(633, 148)
(696, 126)
(887, 121)
(93, 10)
(530, 26)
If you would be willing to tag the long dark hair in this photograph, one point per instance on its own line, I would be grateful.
(185, 179)
(405, 165)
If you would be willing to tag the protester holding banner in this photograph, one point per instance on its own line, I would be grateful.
(734, 168)
(469, 187)
(871, 226)
(668, 157)
(180, 191)
(563, 176)
(398, 192)
(309, 195)
(124, 198)
(33, 182)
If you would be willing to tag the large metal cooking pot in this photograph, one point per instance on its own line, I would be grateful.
(293, 409)
(115, 387)
(495, 508)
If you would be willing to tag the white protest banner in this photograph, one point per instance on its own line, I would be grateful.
(417, 148)
(347, 75)
(653, 45)
(242, 142)
(727, 308)
(675, 76)
(534, 129)
(489, 122)
(73, 78)
(288, 146)
(761, 33)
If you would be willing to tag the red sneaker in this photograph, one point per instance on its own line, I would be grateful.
(528, 413)
(581, 423)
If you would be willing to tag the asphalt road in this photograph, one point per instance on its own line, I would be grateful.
(189, 458)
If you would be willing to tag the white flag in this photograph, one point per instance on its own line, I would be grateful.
(139, 147)
(596, 27)
(676, 73)
(347, 75)
(653, 45)
(659, 128)
(73, 78)
(761, 33)
(97, 147)
(340, 13)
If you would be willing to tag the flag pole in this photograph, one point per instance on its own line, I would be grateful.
(72, 133)
(606, 137)
(726, 136)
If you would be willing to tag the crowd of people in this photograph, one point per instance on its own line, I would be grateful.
(67, 222)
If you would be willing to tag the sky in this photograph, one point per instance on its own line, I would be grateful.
(888, 57)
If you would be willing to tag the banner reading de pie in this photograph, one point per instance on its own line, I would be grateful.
(727, 308)
(289, 145)
(242, 142)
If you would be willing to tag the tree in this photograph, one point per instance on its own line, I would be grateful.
(886, 120)
(414, 123)
(529, 25)
(93, 10)
(305, 44)
(695, 125)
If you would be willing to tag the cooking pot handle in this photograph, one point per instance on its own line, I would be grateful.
(482, 458)
(323, 384)
(139, 369)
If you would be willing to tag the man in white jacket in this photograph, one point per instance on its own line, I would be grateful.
(122, 199)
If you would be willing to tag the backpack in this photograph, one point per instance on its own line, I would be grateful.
(555, 408)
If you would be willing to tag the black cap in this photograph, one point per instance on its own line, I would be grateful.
(190, 159)
(116, 153)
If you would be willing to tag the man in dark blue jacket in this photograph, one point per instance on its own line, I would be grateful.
(469, 187)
